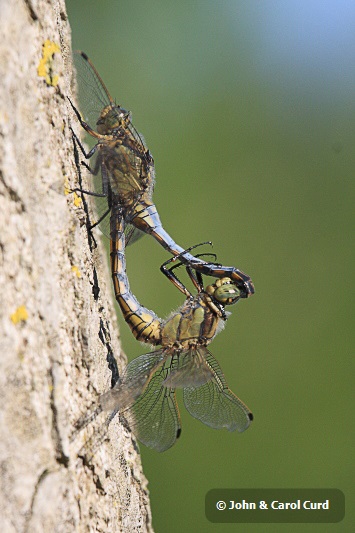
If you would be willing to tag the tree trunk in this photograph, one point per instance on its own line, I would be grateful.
(58, 328)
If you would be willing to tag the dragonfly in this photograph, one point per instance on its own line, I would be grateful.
(126, 173)
(145, 395)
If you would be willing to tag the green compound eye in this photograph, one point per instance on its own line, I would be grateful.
(227, 294)
(112, 118)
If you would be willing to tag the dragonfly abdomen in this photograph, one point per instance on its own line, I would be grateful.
(144, 324)
(145, 217)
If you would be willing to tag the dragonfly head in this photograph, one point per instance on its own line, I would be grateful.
(112, 118)
(224, 291)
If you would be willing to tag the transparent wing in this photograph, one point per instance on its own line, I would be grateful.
(123, 395)
(133, 234)
(154, 417)
(190, 370)
(94, 442)
(131, 385)
(93, 95)
(215, 404)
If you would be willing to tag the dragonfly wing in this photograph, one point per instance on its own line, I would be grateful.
(154, 417)
(98, 181)
(132, 234)
(215, 404)
(139, 139)
(131, 385)
(93, 95)
(189, 370)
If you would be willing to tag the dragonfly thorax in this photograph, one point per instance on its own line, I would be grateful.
(113, 118)
(194, 324)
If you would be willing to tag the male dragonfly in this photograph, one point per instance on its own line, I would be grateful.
(145, 394)
(127, 171)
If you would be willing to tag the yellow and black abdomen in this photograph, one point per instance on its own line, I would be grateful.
(145, 325)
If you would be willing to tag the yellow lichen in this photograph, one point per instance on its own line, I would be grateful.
(45, 67)
(77, 200)
(19, 315)
(67, 189)
(76, 271)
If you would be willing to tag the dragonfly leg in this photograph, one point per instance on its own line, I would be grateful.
(242, 281)
(80, 144)
(174, 279)
(104, 215)
(195, 277)
(94, 170)
(92, 240)
(209, 255)
(76, 142)
(76, 157)
(86, 126)
(90, 193)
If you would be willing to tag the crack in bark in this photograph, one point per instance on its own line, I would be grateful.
(60, 456)
(13, 195)
(95, 285)
(31, 10)
(29, 513)
(105, 338)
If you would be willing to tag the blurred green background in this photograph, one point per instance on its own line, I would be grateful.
(248, 109)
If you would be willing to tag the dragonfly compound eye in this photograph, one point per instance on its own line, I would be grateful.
(226, 292)
(112, 118)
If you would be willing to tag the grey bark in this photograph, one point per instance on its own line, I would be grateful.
(57, 335)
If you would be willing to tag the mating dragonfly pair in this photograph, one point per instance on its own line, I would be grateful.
(145, 394)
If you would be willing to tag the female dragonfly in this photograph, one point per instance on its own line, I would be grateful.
(127, 171)
(145, 394)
